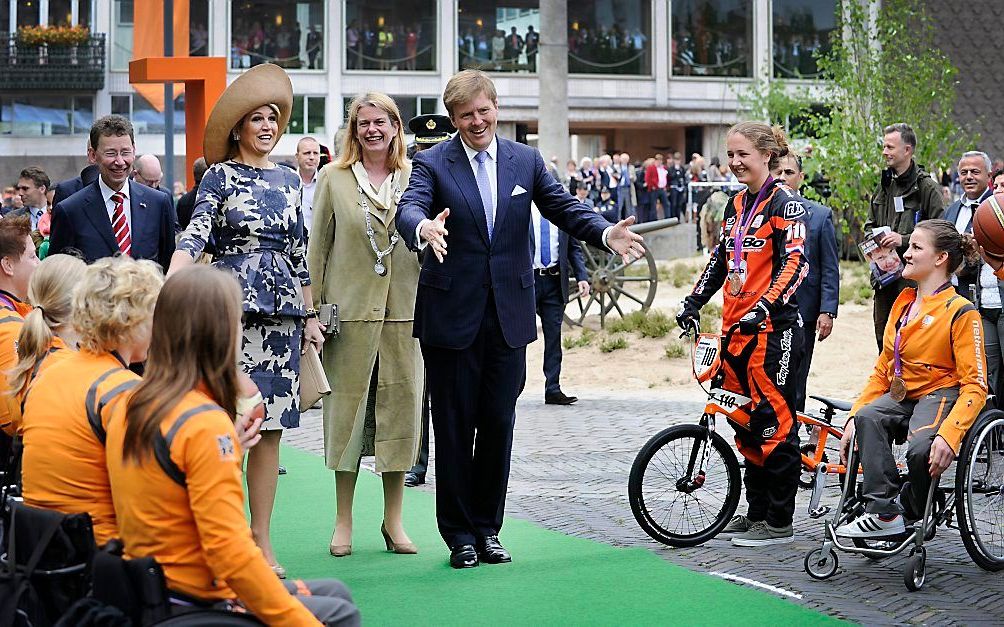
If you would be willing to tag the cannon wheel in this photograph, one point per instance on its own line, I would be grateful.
(614, 284)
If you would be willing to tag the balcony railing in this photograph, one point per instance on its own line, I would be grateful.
(49, 67)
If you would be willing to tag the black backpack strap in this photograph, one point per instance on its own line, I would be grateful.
(94, 406)
(162, 444)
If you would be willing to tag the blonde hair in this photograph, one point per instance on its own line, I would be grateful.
(352, 152)
(465, 86)
(765, 138)
(51, 291)
(116, 295)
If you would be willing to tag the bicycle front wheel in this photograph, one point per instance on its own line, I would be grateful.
(684, 485)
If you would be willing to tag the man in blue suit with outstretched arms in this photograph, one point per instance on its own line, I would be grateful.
(475, 310)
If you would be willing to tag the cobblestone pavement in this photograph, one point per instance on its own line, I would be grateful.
(569, 473)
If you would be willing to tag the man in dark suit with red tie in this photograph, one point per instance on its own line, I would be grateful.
(114, 215)
(474, 312)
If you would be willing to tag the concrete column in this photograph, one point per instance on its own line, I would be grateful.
(446, 54)
(334, 60)
(763, 48)
(552, 74)
(659, 43)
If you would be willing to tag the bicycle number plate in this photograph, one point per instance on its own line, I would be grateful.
(727, 401)
(707, 356)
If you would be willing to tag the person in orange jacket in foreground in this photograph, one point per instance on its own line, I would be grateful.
(66, 407)
(174, 461)
(928, 386)
(17, 262)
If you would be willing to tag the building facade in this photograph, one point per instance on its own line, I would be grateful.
(645, 76)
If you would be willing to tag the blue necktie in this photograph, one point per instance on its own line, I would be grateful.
(485, 187)
(545, 242)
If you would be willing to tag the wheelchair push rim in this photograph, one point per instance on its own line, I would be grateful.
(981, 491)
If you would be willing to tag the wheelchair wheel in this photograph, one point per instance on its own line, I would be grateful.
(979, 486)
(820, 566)
(915, 573)
(684, 485)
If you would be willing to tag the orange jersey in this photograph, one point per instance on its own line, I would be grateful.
(58, 351)
(12, 313)
(940, 347)
(65, 417)
(771, 262)
(197, 531)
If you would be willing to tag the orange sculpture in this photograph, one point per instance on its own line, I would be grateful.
(205, 78)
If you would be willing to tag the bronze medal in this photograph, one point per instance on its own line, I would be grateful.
(897, 390)
(735, 284)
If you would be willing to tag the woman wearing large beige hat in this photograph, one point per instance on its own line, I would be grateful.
(373, 365)
(251, 209)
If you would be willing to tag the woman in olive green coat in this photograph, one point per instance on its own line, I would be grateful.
(374, 365)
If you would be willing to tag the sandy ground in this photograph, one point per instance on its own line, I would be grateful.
(840, 365)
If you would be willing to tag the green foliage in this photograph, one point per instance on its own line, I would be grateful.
(682, 274)
(613, 343)
(855, 283)
(653, 323)
(885, 69)
(585, 338)
(675, 349)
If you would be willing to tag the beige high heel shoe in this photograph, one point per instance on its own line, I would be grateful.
(402, 548)
(339, 550)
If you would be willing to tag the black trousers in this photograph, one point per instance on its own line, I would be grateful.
(473, 394)
(662, 197)
(678, 200)
(550, 308)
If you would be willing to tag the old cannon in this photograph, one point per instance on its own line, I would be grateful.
(613, 283)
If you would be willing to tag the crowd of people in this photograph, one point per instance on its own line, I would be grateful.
(154, 347)
(284, 44)
(382, 46)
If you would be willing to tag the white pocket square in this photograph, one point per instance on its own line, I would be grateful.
(516, 191)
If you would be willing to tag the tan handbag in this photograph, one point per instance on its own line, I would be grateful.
(313, 383)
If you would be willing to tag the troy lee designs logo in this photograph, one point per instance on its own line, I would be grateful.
(782, 371)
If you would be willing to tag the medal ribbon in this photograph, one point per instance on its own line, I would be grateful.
(896, 358)
(744, 224)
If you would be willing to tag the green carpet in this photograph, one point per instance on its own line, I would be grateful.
(554, 579)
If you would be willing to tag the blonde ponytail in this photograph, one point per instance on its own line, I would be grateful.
(51, 292)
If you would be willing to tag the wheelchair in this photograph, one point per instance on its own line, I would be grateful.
(973, 503)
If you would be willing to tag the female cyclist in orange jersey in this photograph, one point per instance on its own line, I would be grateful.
(65, 408)
(759, 261)
(174, 461)
(47, 335)
(928, 386)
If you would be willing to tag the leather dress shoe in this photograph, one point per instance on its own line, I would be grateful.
(559, 398)
(463, 556)
(412, 479)
(491, 551)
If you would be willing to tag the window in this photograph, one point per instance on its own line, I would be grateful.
(144, 117)
(802, 31)
(498, 36)
(608, 38)
(129, 15)
(409, 106)
(42, 115)
(712, 37)
(289, 34)
(61, 12)
(389, 35)
(308, 115)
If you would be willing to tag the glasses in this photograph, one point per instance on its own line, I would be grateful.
(111, 154)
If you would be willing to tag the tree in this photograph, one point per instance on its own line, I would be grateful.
(885, 68)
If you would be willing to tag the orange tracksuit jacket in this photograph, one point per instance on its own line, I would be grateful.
(11, 321)
(941, 347)
(64, 460)
(58, 351)
(197, 533)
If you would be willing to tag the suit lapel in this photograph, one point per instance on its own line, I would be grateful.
(142, 220)
(97, 214)
(460, 170)
(503, 182)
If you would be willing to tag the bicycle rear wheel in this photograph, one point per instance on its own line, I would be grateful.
(979, 489)
(684, 485)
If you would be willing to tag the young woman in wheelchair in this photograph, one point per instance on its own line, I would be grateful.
(65, 414)
(174, 461)
(928, 386)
